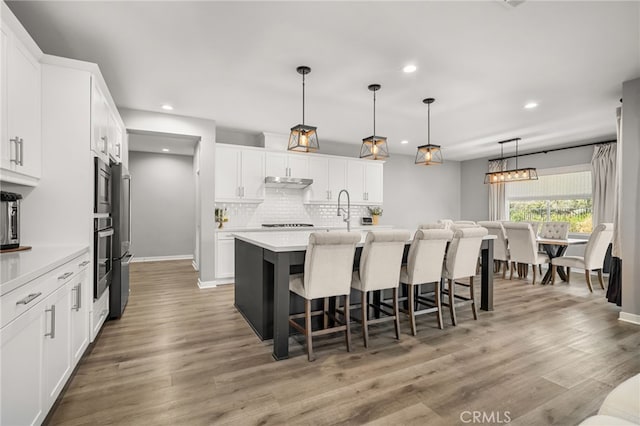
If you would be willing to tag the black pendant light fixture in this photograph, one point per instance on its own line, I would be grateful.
(512, 175)
(429, 154)
(374, 147)
(303, 138)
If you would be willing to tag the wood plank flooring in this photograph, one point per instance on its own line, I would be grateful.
(184, 356)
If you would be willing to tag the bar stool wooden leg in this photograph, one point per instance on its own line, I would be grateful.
(326, 313)
(347, 321)
(553, 274)
(396, 312)
(365, 312)
(505, 265)
(587, 275)
(533, 267)
(568, 274)
(473, 299)
(412, 314)
(600, 278)
(452, 302)
(307, 324)
(513, 265)
(438, 300)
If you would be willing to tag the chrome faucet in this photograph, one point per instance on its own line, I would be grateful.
(342, 211)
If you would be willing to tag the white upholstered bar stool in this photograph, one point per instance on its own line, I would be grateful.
(464, 222)
(424, 265)
(462, 256)
(380, 264)
(446, 222)
(523, 247)
(328, 265)
(500, 249)
(433, 226)
(594, 254)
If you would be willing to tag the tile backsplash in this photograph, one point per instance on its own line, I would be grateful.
(283, 205)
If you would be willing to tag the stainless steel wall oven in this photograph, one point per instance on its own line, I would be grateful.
(102, 255)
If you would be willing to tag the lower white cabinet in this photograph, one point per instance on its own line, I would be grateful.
(100, 314)
(43, 342)
(225, 255)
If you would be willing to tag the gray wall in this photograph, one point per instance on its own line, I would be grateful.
(162, 204)
(475, 194)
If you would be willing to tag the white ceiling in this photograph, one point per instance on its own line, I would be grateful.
(235, 62)
(156, 142)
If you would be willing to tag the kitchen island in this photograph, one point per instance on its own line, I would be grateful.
(263, 263)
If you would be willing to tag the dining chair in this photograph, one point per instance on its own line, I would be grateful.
(446, 222)
(500, 247)
(464, 222)
(593, 259)
(554, 230)
(328, 265)
(460, 262)
(523, 247)
(424, 266)
(432, 226)
(380, 264)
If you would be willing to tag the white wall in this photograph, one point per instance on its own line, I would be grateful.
(475, 193)
(206, 130)
(162, 204)
(630, 201)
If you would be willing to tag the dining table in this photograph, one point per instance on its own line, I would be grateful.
(556, 247)
(265, 260)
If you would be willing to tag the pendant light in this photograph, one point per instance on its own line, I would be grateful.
(303, 138)
(374, 147)
(429, 154)
(512, 175)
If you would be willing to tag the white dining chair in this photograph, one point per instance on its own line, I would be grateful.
(500, 247)
(380, 264)
(424, 266)
(593, 259)
(328, 265)
(460, 262)
(523, 247)
(554, 230)
(446, 222)
(464, 222)
(433, 226)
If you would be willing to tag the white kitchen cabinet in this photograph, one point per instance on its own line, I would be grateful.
(365, 181)
(114, 138)
(225, 255)
(21, 344)
(81, 288)
(99, 314)
(99, 123)
(57, 342)
(239, 174)
(287, 165)
(21, 160)
(329, 177)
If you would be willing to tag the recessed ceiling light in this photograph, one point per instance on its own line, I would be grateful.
(530, 105)
(409, 68)
(165, 149)
(404, 142)
(167, 107)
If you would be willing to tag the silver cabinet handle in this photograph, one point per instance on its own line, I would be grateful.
(242, 188)
(119, 150)
(78, 290)
(65, 275)
(16, 141)
(21, 152)
(52, 334)
(85, 263)
(28, 299)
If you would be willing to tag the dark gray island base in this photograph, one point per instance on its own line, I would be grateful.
(262, 288)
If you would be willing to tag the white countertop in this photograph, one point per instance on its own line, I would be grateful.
(18, 268)
(302, 228)
(295, 240)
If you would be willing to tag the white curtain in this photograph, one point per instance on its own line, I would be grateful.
(497, 203)
(603, 173)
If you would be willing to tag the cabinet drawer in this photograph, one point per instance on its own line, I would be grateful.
(100, 313)
(25, 297)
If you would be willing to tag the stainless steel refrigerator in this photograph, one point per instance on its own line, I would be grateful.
(121, 214)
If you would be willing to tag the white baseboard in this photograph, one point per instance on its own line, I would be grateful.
(630, 318)
(214, 283)
(195, 265)
(162, 258)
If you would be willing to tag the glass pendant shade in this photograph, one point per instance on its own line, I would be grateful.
(429, 155)
(374, 148)
(514, 175)
(303, 139)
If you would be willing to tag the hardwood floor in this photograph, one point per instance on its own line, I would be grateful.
(184, 356)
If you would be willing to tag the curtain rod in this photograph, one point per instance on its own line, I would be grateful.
(544, 151)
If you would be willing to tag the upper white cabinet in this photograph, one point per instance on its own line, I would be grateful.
(99, 123)
(329, 177)
(287, 165)
(239, 174)
(114, 138)
(20, 93)
(365, 181)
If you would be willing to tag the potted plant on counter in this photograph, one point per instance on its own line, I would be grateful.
(221, 216)
(375, 213)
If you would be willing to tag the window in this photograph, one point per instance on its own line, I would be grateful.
(559, 195)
